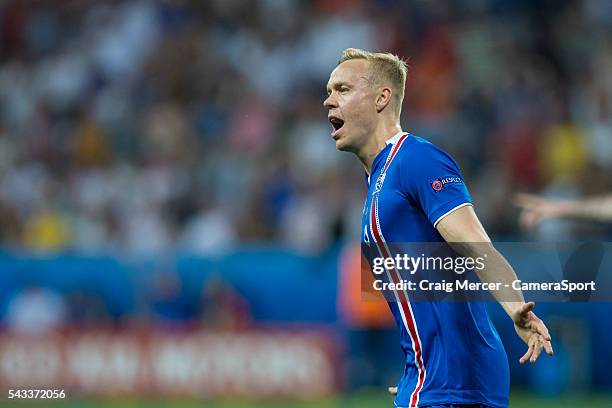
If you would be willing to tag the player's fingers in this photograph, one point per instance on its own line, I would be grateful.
(536, 325)
(527, 307)
(531, 343)
(527, 354)
(392, 390)
(542, 330)
(548, 348)
(536, 352)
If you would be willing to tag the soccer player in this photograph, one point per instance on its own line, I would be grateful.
(537, 209)
(416, 193)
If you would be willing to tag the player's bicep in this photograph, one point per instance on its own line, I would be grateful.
(462, 225)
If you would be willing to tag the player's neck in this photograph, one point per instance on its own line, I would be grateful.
(376, 143)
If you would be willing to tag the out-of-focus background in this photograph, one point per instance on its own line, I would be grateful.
(177, 228)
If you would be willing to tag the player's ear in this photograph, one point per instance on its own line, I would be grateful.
(383, 98)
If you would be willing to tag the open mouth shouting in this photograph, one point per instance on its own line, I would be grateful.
(336, 123)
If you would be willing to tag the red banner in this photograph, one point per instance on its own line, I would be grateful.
(197, 363)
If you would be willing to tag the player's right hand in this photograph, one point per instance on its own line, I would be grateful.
(392, 390)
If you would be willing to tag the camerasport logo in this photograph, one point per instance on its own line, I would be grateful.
(439, 183)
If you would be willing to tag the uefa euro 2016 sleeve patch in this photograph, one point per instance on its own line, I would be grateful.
(442, 182)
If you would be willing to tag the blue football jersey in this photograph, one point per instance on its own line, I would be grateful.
(453, 352)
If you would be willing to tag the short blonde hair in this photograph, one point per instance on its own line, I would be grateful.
(384, 68)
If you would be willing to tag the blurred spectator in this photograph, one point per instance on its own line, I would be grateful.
(167, 300)
(36, 310)
(87, 309)
(47, 230)
(209, 232)
(222, 306)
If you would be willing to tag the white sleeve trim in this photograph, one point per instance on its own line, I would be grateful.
(448, 212)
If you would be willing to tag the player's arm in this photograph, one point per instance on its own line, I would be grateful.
(536, 209)
(464, 232)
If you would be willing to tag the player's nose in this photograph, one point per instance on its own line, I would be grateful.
(329, 102)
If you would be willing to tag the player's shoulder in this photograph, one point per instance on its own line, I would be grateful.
(417, 151)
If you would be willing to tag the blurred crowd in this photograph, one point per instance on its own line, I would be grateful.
(163, 300)
(149, 126)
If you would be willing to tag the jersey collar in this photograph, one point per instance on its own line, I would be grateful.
(380, 156)
(395, 138)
